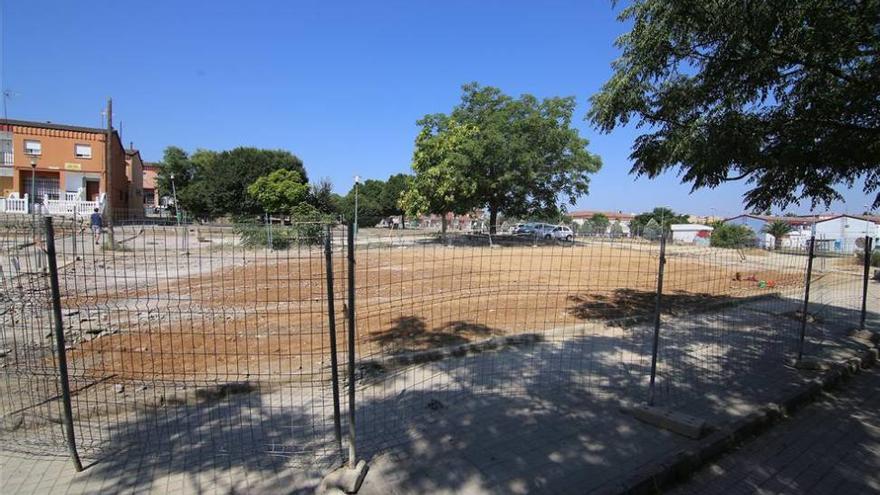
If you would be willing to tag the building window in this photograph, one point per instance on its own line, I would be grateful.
(82, 150)
(32, 147)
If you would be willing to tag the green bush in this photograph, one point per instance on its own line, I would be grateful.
(732, 236)
(307, 226)
(875, 258)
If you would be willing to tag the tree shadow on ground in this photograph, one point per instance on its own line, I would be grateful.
(243, 443)
(625, 304)
(547, 418)
(538, 418)
(410, 333)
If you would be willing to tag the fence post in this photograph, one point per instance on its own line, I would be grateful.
(868, 251)
(331, 316)
(59, 344)
(658, 307)
(810, 253)
(352, 454)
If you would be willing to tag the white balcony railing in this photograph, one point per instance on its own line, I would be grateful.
(14, 205)
(62, 207)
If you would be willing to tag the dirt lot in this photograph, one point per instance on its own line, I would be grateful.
(226, 314)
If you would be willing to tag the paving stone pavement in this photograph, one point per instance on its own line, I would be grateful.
(829, 447)
(540, 419)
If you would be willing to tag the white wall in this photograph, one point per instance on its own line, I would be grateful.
(843, 232)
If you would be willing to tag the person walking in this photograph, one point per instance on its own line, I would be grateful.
(97, 224)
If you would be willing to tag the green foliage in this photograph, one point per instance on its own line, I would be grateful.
(783, 94)
(662, 217)
(728, 235)
(175, 162)
(307, 227)
(586, 228)
(322, 197)
(279, 191)
(616, 230)
(515, 156)
(600, 223)
(440, 162)
(778, 229)
(652, 230)
(875, 258)
(376, 199)
(214, 184)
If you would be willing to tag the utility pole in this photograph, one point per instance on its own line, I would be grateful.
(108, 170)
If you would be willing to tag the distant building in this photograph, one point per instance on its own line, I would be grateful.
(691, 233)
(624, 219)
(834, 232)
(152, 194)
(134, 172)
(70, 166)
(839, 233)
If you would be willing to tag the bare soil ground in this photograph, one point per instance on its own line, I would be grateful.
(234, 315)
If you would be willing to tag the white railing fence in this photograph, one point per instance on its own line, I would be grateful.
(72, 205)
(14, 205)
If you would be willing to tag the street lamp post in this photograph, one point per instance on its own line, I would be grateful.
(357, 180)
(33, 184)
(176, 206)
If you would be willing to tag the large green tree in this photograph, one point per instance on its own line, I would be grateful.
(213, 184)
(522, 155)
(784, 94)
(441, 158)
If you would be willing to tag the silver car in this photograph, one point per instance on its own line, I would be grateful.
(561, 233)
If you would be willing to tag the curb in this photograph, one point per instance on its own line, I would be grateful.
(438, 354)
(679, 465)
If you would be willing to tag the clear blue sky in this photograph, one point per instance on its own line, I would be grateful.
(340, 84)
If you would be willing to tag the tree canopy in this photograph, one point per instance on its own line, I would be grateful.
(377, 199)
(516, 156)
(782, 94)
(600, 222)
(279, 191)
(778, 229)
(661, 216)
(440, 162)
(213, 184)
(729, 235)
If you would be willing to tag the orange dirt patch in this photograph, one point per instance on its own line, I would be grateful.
(268, 318)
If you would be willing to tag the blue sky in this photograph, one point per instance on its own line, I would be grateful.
(340, 84)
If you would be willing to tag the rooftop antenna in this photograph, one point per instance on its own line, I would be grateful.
(8, 94)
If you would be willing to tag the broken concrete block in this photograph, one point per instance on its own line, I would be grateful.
(676, 422)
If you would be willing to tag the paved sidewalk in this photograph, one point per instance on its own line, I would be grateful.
(535, 419)
(832, 446)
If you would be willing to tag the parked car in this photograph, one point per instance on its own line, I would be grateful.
(544, 230)
(561, 233)
(524, 228)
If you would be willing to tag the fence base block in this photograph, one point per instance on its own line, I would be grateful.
(676, 422)
(864, 335)
(809, 364)
(344, 479)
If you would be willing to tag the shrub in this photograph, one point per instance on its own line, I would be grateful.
(875, 258)
(732, 236)
(306, 228)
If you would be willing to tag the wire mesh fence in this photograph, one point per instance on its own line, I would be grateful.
(207, 341)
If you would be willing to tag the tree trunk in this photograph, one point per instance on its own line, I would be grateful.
(402, 221)
(443, 227)
(493, 218)
(777, 243)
